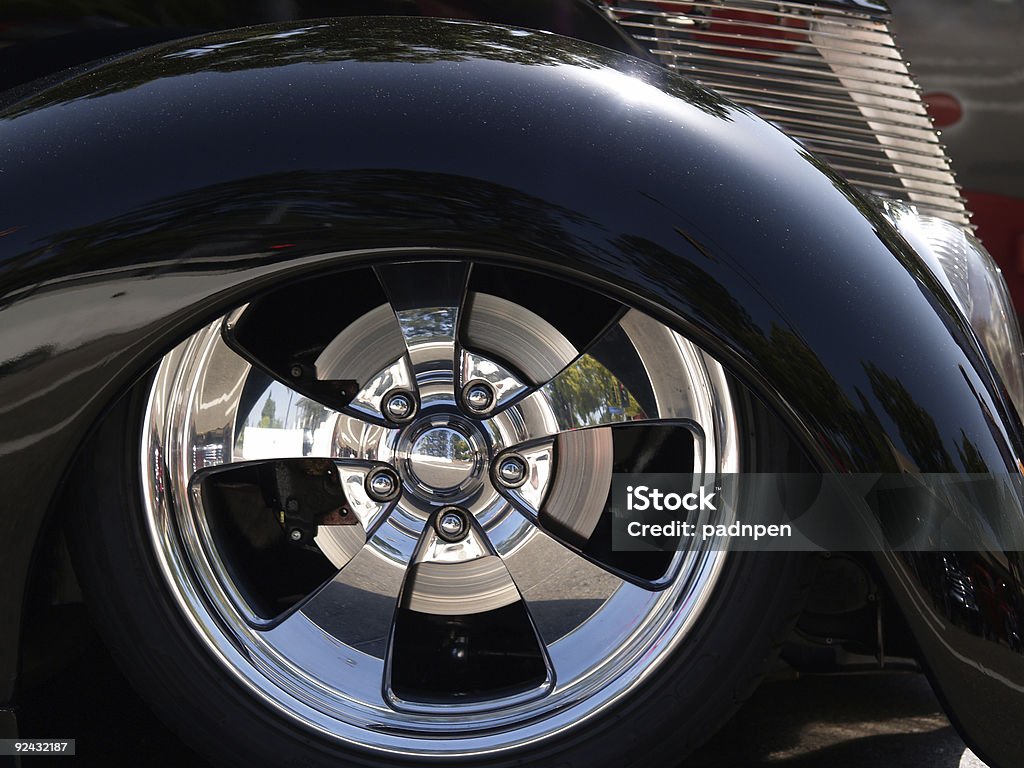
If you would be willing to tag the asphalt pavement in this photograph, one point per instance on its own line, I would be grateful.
(871, 720)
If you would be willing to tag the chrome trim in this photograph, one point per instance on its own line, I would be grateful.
(874, 109)
(974, 281)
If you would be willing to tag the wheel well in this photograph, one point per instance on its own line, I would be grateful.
(53, 595)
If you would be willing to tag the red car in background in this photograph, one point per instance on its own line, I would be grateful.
(968, 59)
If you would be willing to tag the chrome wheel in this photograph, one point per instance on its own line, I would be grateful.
(402, 542)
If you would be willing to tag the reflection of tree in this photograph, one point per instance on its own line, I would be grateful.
(799, 370)
(445, 442)
(378, 39)
(970, 456)
(310, 412)
(587, 394)
(267, 417)
(916, 426)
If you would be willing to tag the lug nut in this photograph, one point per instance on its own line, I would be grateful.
(512, 471)
(399, 406)
(478, 397)
(382, 484)
(451, 524)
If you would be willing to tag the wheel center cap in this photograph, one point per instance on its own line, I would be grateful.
(442, 458)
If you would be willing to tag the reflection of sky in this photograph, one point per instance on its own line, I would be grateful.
(210, 48)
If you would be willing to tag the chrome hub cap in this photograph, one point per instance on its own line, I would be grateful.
(449, 592)
(446, 458)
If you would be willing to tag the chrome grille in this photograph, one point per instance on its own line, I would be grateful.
(830, 77)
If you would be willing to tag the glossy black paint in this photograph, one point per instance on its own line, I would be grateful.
(150, 195)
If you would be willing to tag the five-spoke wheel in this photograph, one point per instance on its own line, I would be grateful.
(378, 500)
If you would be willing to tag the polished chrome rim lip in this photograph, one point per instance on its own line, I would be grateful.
(285, 686)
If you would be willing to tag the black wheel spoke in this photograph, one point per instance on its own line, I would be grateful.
(280, 528)
(462, 631)
(357, 606)
(317, 311)
(533, 325)
(574, 505)
(371, 352)
(427, 298)
(627, 374)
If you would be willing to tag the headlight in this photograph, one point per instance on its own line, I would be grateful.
(971, 276)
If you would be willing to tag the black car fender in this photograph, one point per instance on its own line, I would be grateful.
(152, 193)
